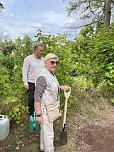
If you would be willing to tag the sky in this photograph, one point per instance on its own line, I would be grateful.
(22, 17)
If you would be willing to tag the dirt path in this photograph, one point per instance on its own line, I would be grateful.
(98, 136)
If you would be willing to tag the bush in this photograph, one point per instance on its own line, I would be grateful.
(15, 109)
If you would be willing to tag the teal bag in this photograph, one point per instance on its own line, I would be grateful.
(33, 124)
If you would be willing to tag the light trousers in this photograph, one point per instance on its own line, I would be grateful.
(46, 134)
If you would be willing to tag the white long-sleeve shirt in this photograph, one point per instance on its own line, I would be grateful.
(31, 68)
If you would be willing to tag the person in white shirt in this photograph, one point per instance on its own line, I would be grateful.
(32, 66)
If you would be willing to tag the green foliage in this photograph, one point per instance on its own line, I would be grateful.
(15, 109)
(12, 61)
(7, 47)
(86, 62)
(4, 82)
(112, 101)
(81, 83)
(8, 62)
(62, 48)
(95, 54)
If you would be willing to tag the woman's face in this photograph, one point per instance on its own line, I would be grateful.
(51, 65)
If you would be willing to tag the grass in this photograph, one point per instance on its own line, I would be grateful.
(89, 106)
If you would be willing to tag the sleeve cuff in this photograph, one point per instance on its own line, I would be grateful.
(25, 83)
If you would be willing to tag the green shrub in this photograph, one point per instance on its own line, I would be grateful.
(15, 109)
(5, 87)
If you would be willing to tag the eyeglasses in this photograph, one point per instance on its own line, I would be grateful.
(54, 62)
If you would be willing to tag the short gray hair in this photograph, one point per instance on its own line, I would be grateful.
(37, 45)
(51, 56)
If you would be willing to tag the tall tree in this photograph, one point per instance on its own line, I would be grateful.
(97, 10)
(107, 13)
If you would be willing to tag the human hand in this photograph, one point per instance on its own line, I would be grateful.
(26, 87)
(65, 88)
(39, 119)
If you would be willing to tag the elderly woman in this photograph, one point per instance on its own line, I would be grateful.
(46, 93)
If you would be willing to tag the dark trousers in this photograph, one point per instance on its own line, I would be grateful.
(31, 97)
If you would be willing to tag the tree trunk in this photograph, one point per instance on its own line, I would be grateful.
(107, 14)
